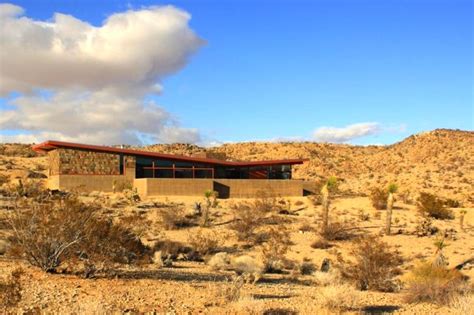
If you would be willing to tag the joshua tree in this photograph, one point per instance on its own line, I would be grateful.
(392, 188)
(328, 187)
(462, 213)
(211, 202)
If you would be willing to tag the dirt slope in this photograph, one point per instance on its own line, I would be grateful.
(439, 161)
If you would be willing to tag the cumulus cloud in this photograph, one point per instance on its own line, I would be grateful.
(347, 133)
(97, 78)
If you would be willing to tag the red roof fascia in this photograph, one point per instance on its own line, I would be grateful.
(51, 145)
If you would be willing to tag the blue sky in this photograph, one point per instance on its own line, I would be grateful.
(282, 69)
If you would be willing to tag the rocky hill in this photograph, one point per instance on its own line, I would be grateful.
(439, 161)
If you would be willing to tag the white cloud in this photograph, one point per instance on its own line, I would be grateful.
(347, 133)
(98, 77)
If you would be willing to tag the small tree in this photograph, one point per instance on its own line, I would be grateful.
(392, 188)
(327, 188)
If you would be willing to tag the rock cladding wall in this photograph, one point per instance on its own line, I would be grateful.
(80, 162)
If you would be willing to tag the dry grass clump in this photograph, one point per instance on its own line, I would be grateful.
(232, 290)
(174, 217)
(10, 290)
(463, 304)
(436, 284)
(204, 242)
(341, 297)
(375, 264)
(55, 231)
(331, 278)
(432, 206)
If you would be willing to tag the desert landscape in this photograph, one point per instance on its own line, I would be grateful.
(330, 252)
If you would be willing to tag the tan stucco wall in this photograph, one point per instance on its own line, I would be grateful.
(249, 188)
(227, 188)
(172, 186)
(88, 183)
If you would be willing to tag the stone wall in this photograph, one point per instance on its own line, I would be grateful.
(54, 162)
(72, 162)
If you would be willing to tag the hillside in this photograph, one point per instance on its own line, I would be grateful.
(439, 161)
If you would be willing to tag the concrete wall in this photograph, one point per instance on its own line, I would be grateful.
(249, 188)
(172, 186)
(88, 183)
(227, 188)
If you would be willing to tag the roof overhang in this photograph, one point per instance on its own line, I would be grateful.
(52, 145)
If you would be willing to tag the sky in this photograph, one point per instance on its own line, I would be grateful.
(211, 72)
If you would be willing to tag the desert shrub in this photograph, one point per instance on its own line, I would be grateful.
(336, 231)
(307, 267)
(172, 249)
(136, 223)
(50, 233)
(306, 227)
(425, 227)
(341, 297)
(17, 149)
(10, 290)
(452, 203)
(378, 197)
(4, 179)
(28, 188)
(321, 243)
(375, 264)
(432, 206)
(247, 220)
(204, 242)
(279, 311)
(174, 217)
(437, 284)
(231, 292)
(248, 267)
(264, 202)
(363, 216)
(131, 195)
(275, 248)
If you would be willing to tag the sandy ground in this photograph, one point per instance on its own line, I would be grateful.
(192, 287)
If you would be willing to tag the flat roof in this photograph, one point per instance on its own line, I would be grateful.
(52, 145)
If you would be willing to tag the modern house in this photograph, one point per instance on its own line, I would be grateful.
(74, 166)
